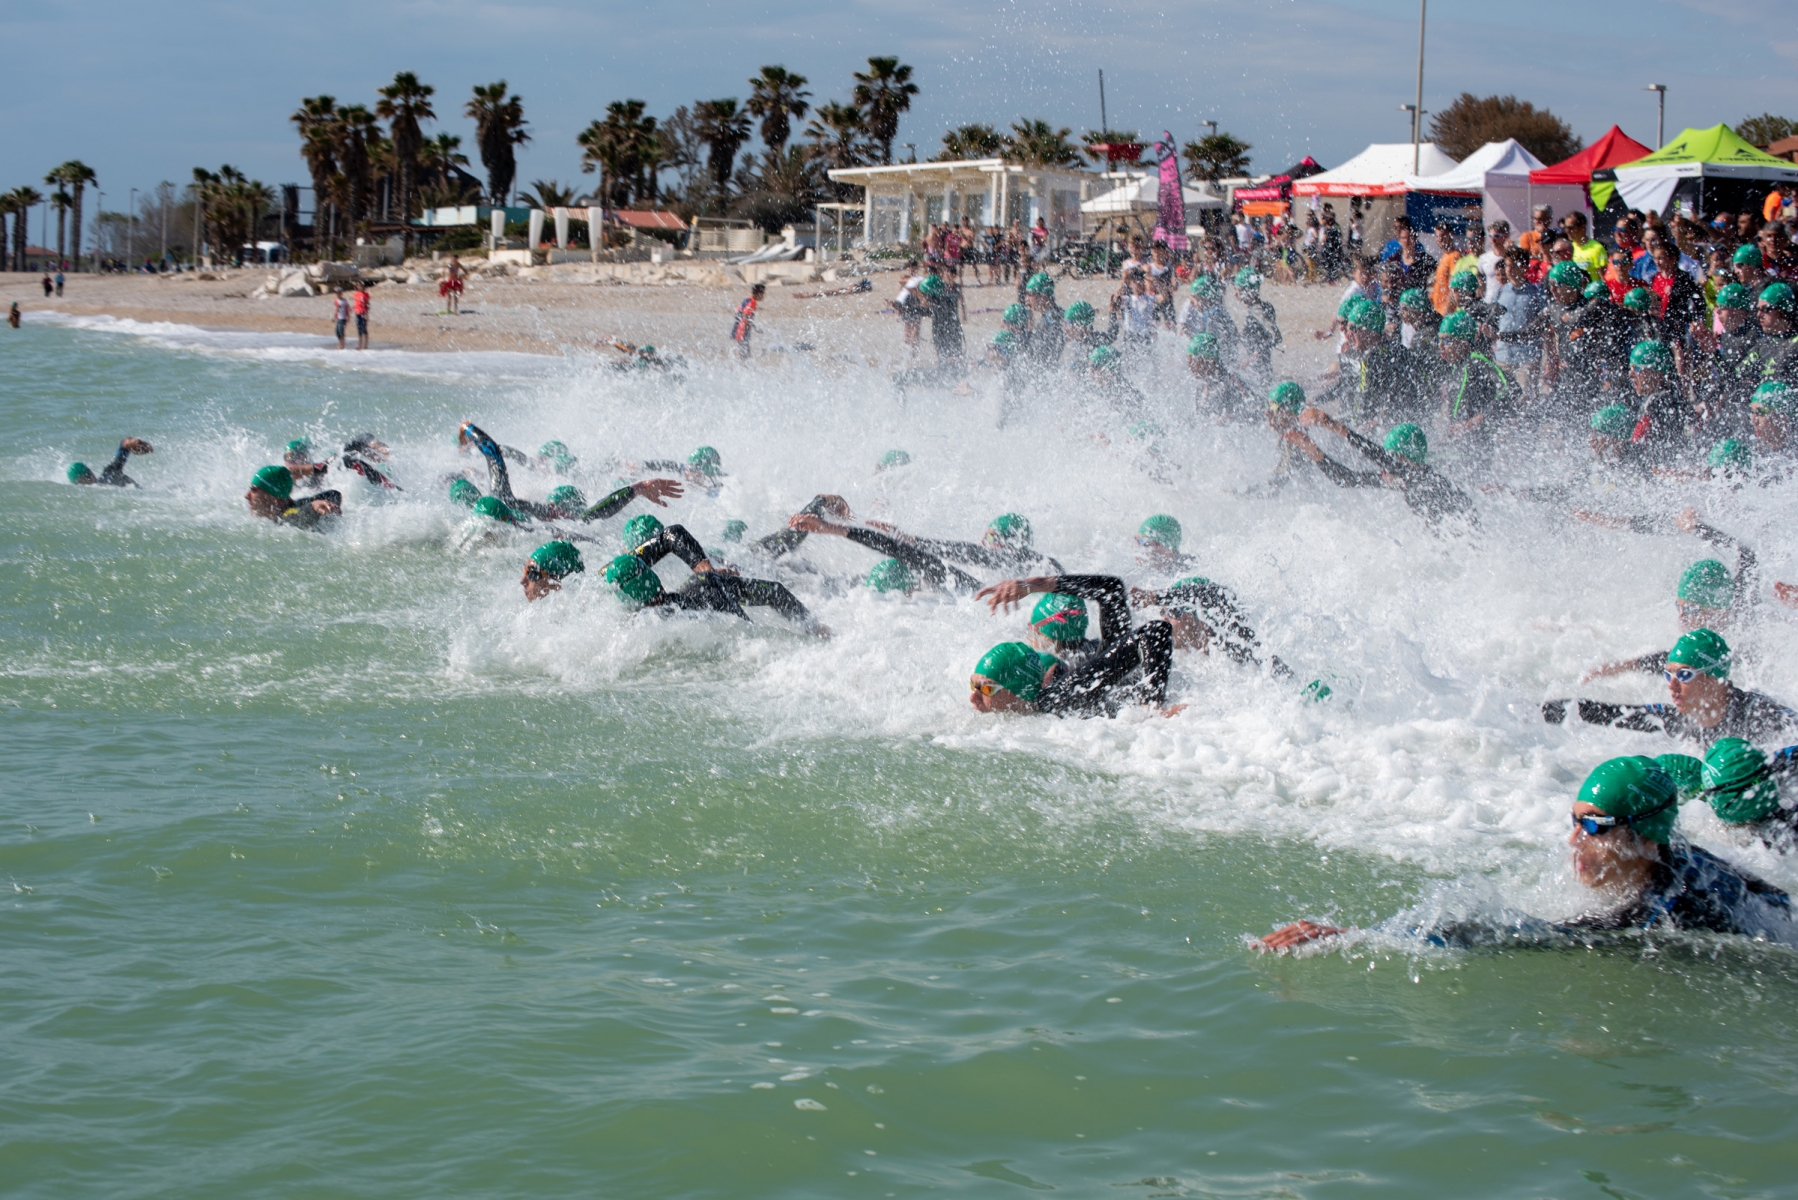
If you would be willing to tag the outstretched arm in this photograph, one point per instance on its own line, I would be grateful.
(656, 491)
(677, 541)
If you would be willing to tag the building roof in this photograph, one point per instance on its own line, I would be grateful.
(902, 172)
(640, 218)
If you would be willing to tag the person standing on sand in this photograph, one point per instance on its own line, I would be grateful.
(59, 282)
(744, 328)
(340, 313)
(49, 286)
(451, 287)
(359, 302)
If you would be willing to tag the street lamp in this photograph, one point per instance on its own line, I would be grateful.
(1211, 125)
(1660, 125)
(1417, 115)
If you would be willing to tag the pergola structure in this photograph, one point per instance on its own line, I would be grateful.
(903, 200)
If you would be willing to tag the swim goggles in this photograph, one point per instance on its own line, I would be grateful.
(1603, 823)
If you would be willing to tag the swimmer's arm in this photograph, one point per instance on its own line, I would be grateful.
(1108, 592)
(652, 490)
(677, 541)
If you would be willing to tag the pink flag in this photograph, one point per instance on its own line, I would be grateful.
(1171, 226)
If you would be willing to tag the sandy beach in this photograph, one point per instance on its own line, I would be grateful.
(553, 310)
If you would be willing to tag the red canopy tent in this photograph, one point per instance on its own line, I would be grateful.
(1569, 184)
(1612, 150)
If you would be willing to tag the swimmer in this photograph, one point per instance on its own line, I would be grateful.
(499, 480)
(271, 497)
(1747, 788)
(297, 458)
(360, 454)
(1014, 677)
(567, 502)
(633, 577)
(1203, 612)
(1158, 545)
(1058, 623)
(1643, 877)
(1401, 467)
(113, 475)
(930, 568)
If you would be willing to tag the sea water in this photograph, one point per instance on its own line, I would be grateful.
(333, 868)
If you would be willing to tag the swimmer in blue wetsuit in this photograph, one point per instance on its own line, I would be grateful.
(114, 473)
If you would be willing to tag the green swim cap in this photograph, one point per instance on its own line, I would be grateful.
(1702, 650)
(1160, 530)
(1779, 295)
(558, 453)
(734, 531)
(1736, 776)
(1777, 396)
(1458, 325)
(1009, 529)
(1006, 340)
(1734, 295)
(1614, 421)
(1040, 282)
(1731, 453)
(1686, 772)
(1015, 314)
(1595, 290)
(634, 579)
(299, 448)
(1649, 355)
(1060, 618)
(932, 286)
(1205, 286)
(1146, 431)
(1017, 668)
(1635, 787)
(1638, 299)
(1413, 298)
(1465, 281)
(1707, 583)
(1367, 315)
(464, 493)
(1408, 441)
(558, 560)
(705, 460)
(1080, 313)
(891, 575)
(1288, 395)
(1248, 279)
(1317, 691)
(80, 473)
(495, 508)
(640, 530)
(1105, 356)
(567, 498)
(1569, 275)
(1204, 345)
(894, 458)
(276, 481)
(1747, 253)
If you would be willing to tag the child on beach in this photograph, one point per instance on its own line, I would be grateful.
(340, 313)
(745, 324)
(359, 302)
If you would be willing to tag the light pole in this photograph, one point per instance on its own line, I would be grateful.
(1416, 116)
(1660, 124)
(131, 230)
(1423, 9)
(1211, 125)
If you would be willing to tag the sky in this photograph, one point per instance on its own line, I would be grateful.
(146, 92)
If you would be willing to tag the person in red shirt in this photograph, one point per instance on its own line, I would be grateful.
(745, 326)
(359, 302)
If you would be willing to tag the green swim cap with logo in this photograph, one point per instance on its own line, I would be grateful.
(1008, 529)
(276, 481)
(1206, 286)
(1015, 315)
(1746, 254)
(80, 473)
(1080, 313)
(639, 530)
(1458, 325)
(1248, 279)
(1702, 650)
(1203, 345)
(1638, 299)
(568, 498)
(932, 287)
(1776, 397)
(1568, 275)
(1017, 668)
(1041, 284)
(705, 460)
(1730, 454)
(464, 493)
(634, 579)
(1595, 291)
(1739, 786)
(1408, 441)
(894, 458)
(495, 509)
(734, 531)
(891, 575)
(1707, 584)
(558, 559)
(1780, 296)
(1059, 617)
(1650, 355)
(1105, 356)
(1686, 772)
(1635, 788)
(1288, 395)
(1614, 421)
(1467, 282)
(1734, 295)
(1160, 530)
(1367, 315)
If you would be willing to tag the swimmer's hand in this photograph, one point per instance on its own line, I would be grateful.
(1009, 592)
(138, 446)
(1317, 416)
(1606, 670)
(1290, 937)
(811, 522)
(1144, 598)
(1173, 710)
(325, 508)
(657, 491)
(1687, 520)
(1787, 593)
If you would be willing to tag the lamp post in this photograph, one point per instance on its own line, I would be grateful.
(131, 230)
(1415, 117)
(1423, 8)
(1212, 126)
(1660, 124)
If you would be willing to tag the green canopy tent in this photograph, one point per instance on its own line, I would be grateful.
(1712, 170)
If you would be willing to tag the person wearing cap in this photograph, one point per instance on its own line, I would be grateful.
(1705, 704)
(1047, 332)
(928, 567)
(1476, 393)
(1104, 379)
(1260, 330)
(113, 474)
(1158, 541)
(1005, 544)
(547, 566)
(270, 496)
(499, 479)
(1662, 414)
(1708, 596)
(1773, 419)
(1752, 790)
(1749, 269)
(1775, 353)
(1082, 337)
(361, 453)
(1217, 393)
(1132, 668)
(1204, 312)
(1498, 249)
(632, 576)
(1059, 622)
(1418, 325)
(1642, 874)
(1401, 466)
(1726, 366)
(297, 458)
(942, 300)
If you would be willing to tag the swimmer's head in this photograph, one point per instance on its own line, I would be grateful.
(640, 530)
(81, 473)
(634, 579)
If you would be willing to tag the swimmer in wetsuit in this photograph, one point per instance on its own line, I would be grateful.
(1401, 466)
(271, 497)
(114, 473)
(568, 503)
(499, 480)
(297, 458)
(930, 568)
(1203, 612)
(708, 590)
(1013, 677)
(361, 453)
(1746, 787)
(1059, 622)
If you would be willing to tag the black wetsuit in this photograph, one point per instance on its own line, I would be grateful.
(1773, 356)
(368, 471)
(978, 554)
(300, 514)
(712, 592)
(1047, 337)
(929, 567)
(1754, 716)
(1113, 599)
(1381, 382)
(945, 327)
(1746, 577)
(1430, 495)
(609, 506)
(1215, 606)
(1260, 334)
(114, 474)
(1224, 395)
(1102, 683)
(499, 482)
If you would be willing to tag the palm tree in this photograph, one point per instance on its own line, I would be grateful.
(883, 94)
(1036, 143)
(320, 136)
(778, 190)
(1218, 156)
(22, 200)
(548, 194)
(839, 138)
(439, 185)
(499, 126)
(77, 175)
(971, 141)
(359, 133)
(724, 129)
(403, 104)
(59, 200)
(777, 96)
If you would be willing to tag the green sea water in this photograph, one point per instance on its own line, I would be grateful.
(330, 868)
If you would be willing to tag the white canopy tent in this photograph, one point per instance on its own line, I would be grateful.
(1143, 194)
(1500, 173)
(1383, 169)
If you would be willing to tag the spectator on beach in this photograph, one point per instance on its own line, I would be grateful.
(1498, 245)
(12, 317)
(340, 314)
(59, 282)
(49, 285)
(359, 304)
(744, 328)
(450, 290)
(1589, 253)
